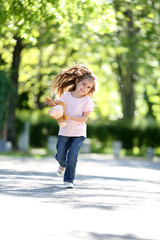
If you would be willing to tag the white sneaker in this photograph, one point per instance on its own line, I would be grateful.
(60, 172)
(68, 185)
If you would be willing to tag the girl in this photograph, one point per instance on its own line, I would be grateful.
(74, 86)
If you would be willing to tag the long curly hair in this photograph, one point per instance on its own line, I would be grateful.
(66, 81)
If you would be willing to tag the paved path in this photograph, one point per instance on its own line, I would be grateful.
(113, 199)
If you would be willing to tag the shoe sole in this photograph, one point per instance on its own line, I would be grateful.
(69, 186)
(60, 175)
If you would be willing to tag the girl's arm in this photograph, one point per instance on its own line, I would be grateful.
(84, 117)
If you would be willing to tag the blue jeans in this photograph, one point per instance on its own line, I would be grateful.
(67, 155)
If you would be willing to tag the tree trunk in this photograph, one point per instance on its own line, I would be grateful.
(126, 84)
(14, 76)
(150, 113)
(39, 80)
(128, 100)
(127, 64)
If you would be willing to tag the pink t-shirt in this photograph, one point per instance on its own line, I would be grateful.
(75, 107)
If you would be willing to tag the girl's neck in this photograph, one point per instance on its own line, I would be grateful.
(75, 95)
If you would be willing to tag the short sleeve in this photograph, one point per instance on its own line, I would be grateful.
(62, 98)
(89, 106)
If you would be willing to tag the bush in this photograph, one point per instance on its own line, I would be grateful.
(40, 131)
(129, 134)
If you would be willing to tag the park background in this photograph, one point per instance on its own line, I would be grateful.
(118, 40)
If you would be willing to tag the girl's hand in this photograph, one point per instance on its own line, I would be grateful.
(50, 102)
(67, 117)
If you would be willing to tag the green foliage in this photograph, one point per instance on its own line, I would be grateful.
(129, 134)
(96, 32)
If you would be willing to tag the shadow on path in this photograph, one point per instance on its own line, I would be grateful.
(114, 237)
(100, 192)
(125, 162)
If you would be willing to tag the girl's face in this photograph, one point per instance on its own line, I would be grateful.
(83, 87)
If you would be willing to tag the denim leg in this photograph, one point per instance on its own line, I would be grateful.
(62, 146)
(75, 145)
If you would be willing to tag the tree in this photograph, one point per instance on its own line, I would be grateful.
(14, 77)
(133, 42)
(126, 41)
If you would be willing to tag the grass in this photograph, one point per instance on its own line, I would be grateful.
(35, 153)
(40, 153)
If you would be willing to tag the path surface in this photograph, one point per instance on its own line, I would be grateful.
(113, 199)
